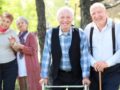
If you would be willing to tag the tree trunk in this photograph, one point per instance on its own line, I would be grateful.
(85, 15)
(41, 28)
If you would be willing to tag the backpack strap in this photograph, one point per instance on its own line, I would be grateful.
(113, 38)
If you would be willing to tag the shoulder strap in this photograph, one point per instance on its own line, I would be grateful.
(90, 40)
(113, 37)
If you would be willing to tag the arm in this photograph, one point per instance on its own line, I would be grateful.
(115, 59)
(87, 32)
(97, 65)
(32, 47)
(85, 59)
(46, 57)
(14, 41)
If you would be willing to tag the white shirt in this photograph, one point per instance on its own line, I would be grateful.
(21, 63)
(102, 43)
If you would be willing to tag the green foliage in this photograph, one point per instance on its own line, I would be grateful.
(24, 8)
(2, 2)
(1, 6)
(53, 5)
(51, 9)
(27, 9)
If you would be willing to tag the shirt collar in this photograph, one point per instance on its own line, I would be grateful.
(108, 24)
(65, 33)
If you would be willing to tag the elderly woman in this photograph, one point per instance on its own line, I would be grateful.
(27, 56)
(8, 62)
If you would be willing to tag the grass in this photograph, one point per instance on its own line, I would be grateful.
(17, 85)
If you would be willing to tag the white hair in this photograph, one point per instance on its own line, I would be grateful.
(22, 18)
(95, 5)
(65, 9)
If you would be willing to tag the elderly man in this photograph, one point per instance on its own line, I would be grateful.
(104, 37)
(68, 48)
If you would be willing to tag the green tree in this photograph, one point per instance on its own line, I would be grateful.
(0, 6)
(24, 8)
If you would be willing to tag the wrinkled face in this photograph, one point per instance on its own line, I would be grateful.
(22, 26)
(65, 20)
(5, 22)
(99, 15)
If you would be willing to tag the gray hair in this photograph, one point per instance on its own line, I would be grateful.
(22, 18)
(63, 9)
(97, 4)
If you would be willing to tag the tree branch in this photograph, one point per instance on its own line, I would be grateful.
(108, 6)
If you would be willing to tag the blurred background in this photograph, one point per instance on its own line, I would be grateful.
(41, 14)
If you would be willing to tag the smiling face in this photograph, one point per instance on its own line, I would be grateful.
(98, 14)
(5, 23)
(22, 25)
(65, 18)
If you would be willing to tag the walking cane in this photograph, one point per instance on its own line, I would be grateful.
(100, 81)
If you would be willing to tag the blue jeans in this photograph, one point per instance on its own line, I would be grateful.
(8, 75)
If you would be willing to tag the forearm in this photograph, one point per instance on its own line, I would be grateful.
(114, 59)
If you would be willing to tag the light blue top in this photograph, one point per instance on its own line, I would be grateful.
(102, 43)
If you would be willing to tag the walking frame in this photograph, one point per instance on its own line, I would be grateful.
(44, 87)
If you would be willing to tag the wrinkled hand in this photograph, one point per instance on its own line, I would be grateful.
(16, 46)
(100, 66)
(12, 40)
(86, 81)
(20, 46)
(43, 81)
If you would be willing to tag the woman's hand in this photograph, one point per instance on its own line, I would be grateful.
(15, 46)
(12, 40)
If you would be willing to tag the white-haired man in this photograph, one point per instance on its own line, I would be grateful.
(104, 37)
(68, 48)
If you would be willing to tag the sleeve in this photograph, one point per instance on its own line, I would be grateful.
(85, 59)
(32, 47)
(46, 56)
(87, 33)
(115, 59)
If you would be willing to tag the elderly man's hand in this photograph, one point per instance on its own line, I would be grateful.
(100, 66)
(86, 81)
(43, 81)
